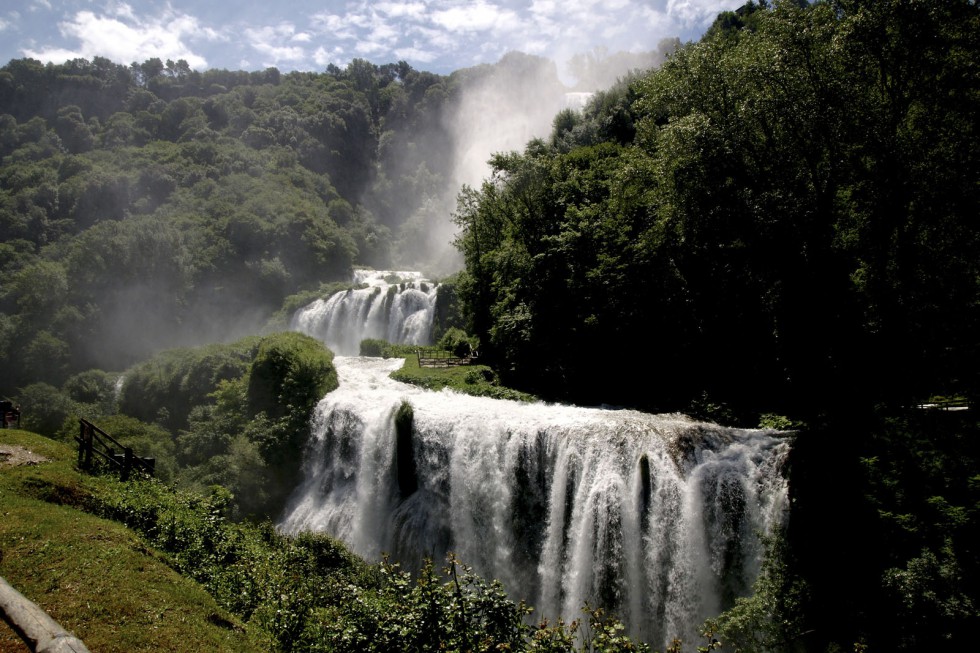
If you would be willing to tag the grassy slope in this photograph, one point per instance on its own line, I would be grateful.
(476, 380)
(94, 576)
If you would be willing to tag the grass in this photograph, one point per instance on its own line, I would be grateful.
(95, 577)
(478, 380)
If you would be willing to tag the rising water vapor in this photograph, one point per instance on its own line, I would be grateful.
(501, 108)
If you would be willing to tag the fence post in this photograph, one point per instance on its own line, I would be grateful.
(127, 463)
(85, 446)
(81, 441)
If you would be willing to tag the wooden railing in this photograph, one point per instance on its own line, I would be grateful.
(95, 444)
(442, 358)
(952, 404)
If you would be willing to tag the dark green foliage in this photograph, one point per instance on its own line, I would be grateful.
(166, 387)
(289, 374)
(92, 387)
(146, 441)
(150, 207)
(895, 526)
(309, 593)
(773, 618)
(448, 310)
(385, 349)
(458, 342)
(46, 410)
(374, 347)
(790, 206)
(405, 449)
(234, 415)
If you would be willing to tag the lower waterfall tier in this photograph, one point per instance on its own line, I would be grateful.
(655, 518)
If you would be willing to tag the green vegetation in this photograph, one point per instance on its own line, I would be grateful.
(149, 207)
(478, 380)
(780, 219)
(94, 576)
(777, 227)
(235, 415)
(241, 587)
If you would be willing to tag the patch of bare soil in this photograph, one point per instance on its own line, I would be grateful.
(12, 455)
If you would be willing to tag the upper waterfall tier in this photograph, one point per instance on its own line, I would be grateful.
(393, 306)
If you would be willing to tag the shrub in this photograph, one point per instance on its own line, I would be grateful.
(92, 387)
(374, 347)
(166, 387)
(45, 409)
(291, 372)
(458, 342)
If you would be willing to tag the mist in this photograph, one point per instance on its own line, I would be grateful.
(501, 108)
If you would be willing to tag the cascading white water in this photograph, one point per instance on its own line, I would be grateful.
(655, 517)
(399, 312)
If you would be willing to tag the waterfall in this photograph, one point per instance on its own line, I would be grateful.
(653, 517)
(393, 306)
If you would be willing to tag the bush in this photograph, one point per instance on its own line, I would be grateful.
(309, 593)
(46, 410)
(146, 441)
(458, 342)
(374, 347)
(92, 387)
(168, 386)
(291, 372)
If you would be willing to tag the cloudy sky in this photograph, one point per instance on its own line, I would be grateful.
(435, 35)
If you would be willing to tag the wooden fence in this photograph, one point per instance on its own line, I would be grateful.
(94, 444)
(953, 404)
(442, 358)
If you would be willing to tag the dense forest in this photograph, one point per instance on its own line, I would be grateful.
(779, 221)
(150, 206)
(782, 217)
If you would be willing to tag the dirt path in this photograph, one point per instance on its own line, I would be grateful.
(12, 455)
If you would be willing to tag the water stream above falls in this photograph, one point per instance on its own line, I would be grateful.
(655, 517)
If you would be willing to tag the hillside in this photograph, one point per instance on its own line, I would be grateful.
(146, 207)
(94, 576)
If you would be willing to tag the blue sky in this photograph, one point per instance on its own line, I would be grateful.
(435, 35)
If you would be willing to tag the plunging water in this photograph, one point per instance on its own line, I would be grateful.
(654, 517)
(393, 306)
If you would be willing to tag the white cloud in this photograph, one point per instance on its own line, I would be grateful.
(413, 10)
(273, 43)
(441, 35)
(476, 17)
(380, 30)
(336, 55)
(122, 10)
(690, 13)
(125, 39)
(333, 25)
(416, 54)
